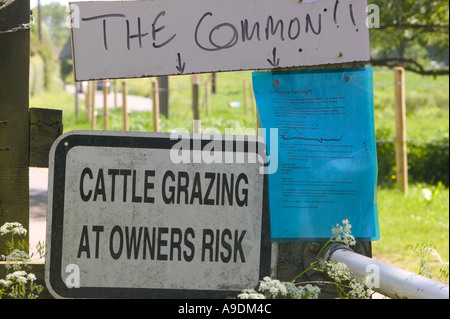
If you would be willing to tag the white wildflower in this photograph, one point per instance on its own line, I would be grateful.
(15, 275)
(292, 290)
(14, 227)
(302, 292)
(18, 254)
(31, 277)
(343, 233)
(272, 286)
(250, 294)
(310, 292)
(432, 253)
(339, 272)
(5, 283)
(427, 194)
(358, 289)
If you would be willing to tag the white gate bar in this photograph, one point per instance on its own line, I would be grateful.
(392, 281)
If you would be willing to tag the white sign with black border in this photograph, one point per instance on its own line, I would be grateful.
(141, 215)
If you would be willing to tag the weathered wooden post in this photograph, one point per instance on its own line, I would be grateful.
(207, 97)
(14, 118)
(126, 126)
(163, 87)
(105, 107)
(244, 96)
(93, 114)
(87, 101)
(401, 160)
(195, 110)
(155, 99)
(115, 93)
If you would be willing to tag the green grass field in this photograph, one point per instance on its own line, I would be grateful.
(405, 220)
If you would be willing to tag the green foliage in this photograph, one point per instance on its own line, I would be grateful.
(347, 285)
(420, 216)
(37, 71)
(54, 16)
(45, 50)
(18, 284)
(412, 33)
(428, 162)
(429, 257)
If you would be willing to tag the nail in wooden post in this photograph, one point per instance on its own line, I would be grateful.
(400, 130)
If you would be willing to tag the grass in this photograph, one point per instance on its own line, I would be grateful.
(230, 86)
(427, 105)
(412, 219)
(404, 220)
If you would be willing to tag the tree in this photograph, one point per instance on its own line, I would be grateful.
(412, 34)
(54, 16)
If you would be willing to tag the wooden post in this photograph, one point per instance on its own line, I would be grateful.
(93, 116)
(155, 99)
(207, 99)
(45, 127)
(254, 108)
(126, 126)
(14, 117)
(213, 83)
(105, 107)
(163, 95)
(87, 101)
(400, 130)
(195, 111)
(244, 95)
(115, 93)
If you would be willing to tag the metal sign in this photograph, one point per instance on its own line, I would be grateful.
(149, 38)
(154, 215)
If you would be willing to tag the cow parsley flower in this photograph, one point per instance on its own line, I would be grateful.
(359, 289)
(343, 233)
(273, 287)
(18, 254)
(250, 294)
(339, 272)
(17, 274)
(5, 283)
(14, 228)
(302, 292)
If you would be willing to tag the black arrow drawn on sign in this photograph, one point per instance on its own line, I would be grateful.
(180, 66)
(276, 61)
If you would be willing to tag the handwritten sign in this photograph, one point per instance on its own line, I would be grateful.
(137, 215)
(147, 38)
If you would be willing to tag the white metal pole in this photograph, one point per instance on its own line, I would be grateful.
(392, 282)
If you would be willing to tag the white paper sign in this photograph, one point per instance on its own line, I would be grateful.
(149, 38)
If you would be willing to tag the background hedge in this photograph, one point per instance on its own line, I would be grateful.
(428, 162)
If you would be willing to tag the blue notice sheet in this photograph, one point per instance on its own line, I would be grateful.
(326, 164)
